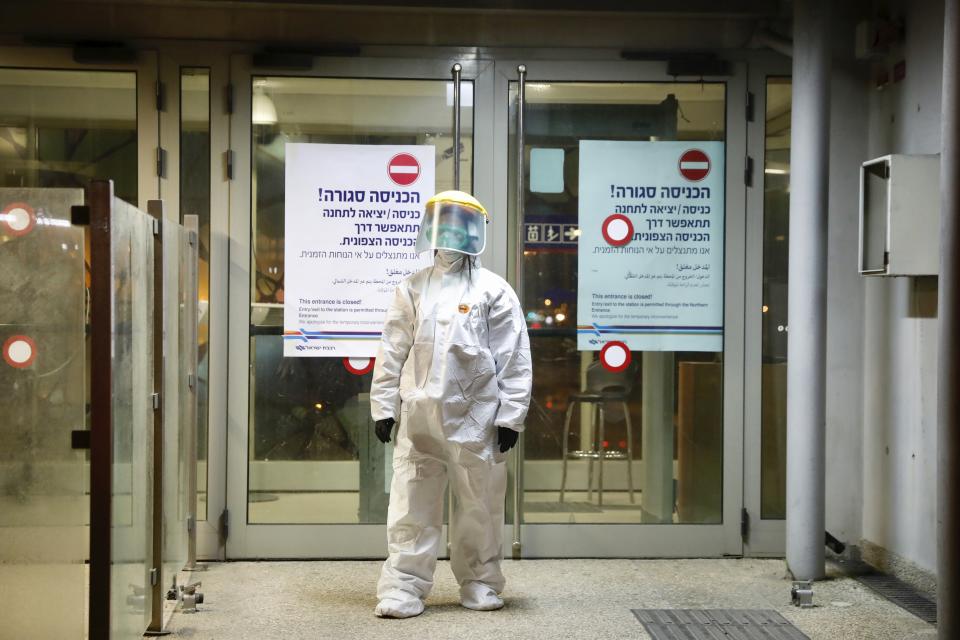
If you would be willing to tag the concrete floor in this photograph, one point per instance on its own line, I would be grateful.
(544, 599)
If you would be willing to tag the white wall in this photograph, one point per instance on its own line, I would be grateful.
(845, 296)
(900, 327)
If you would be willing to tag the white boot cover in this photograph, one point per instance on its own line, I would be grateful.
(480, 597)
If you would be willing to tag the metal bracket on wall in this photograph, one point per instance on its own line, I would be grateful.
(224, 524)
(229, 159)
(161, 96)
(156, 401)
(748, 171)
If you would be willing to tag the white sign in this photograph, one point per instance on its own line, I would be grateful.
(650, 257)
(352, 214)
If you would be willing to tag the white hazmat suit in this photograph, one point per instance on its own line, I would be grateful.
(453, 366)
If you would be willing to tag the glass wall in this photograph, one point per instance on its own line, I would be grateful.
(776, 229)
(132, 261)
(44, 504)
(313, 456)
(674, 426)
(64, 128)
(195, 200)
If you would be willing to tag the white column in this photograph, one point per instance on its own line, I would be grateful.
(806, 345)
(948, 444)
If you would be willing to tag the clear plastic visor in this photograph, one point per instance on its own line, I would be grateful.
(453, 226)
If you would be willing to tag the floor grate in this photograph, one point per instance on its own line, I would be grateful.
(901, 594)
(717, 624)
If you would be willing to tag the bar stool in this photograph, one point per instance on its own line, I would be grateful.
(602, 387)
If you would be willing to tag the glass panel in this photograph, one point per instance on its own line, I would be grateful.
(65, 128)
(44, 506)
(174, 399)
(313, 456)
(671, 418)
(132, 258)
(195, 200)
(776, 233)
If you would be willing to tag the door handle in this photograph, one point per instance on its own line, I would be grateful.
(455, 71)
(517, 546)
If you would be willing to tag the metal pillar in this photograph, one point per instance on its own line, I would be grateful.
(948, 400)
(806, 346)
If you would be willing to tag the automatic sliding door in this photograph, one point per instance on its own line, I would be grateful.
(313, 458)
(624, 245)
(672, 435)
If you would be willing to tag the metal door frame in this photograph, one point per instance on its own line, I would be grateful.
(216, 59)
(315, 540)
(764, 537)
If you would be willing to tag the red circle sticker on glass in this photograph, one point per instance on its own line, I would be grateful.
(19, 351)
(403, 169)
(358, 366)
(615, 356)
(617, 230)
(18, 218)
(694, 165)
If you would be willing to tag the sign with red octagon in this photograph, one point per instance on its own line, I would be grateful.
(358, 366)
(403, 169)
(617, 230)
(694, 165)
(615, 356)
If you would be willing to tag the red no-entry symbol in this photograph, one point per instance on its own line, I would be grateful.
(694, 165)
(18, 218)
(403, 169)
(617, 230)
(615, 356)
(19, 351)
(358, 366)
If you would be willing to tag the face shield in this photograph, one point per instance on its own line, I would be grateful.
(452, 225)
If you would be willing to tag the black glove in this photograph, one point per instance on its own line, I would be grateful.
(384, 428)
(506, 438)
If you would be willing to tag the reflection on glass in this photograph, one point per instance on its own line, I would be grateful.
(668, 410)
(313, 455)
(776, 228)
(176, 366)
(195, 200)
(44, 508)
(65, 128)
(131, 242)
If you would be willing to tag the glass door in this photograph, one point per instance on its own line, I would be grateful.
(627, 252)
(306, 476)
(63, 124)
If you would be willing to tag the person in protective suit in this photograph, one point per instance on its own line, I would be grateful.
(453, 369)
